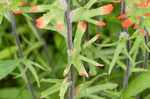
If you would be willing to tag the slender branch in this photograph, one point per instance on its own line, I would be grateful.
(146, 56)
(87, 31)
(126, 78)
(44, 45)
(21, 53)
(98, 28)
(69, 41)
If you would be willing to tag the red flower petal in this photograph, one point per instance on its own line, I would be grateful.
(126, 23)
(100, 23)
(107, 9)
(122, 16)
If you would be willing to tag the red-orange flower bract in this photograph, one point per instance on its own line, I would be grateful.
(100, 23)
(107, 9)
(135, 26)
(18, 12)
(35, 9)
(4, 3)
(23, 3)
(83, 74)
(142, 31)
(41, 23)
(141, 4)
(83, 25)
(148, 14)
(147, 2)
(60, 26)
(126, 23)
(117, 1)
(122, 16)
(97, 36)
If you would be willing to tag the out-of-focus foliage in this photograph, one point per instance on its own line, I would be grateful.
(101, 82)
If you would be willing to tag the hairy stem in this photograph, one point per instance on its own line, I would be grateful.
(126, 77)
(44, 45)
(69, 41)
(146, 56)
(21, 53)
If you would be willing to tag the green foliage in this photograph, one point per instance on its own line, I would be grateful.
(103, 81)
(137, 85)
(8, 66)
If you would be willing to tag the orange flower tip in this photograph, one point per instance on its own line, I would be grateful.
(141, 4)
(35, 9)
(97, 36)
(101, 65)
(4, 3)
(149, 34)
(107, 9)
(83, 25)
(84, 74)
(59, 26)
(122, 16)
(142, 32)
(23, 3)
(100, 23)
(135, 26)
(65, 73)
(117, 1)
(126, 23)
(18, 12)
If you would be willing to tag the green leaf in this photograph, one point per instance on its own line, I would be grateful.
(7, 66)
(96, 89)
(137, 85)
(63, 88)
(51, 80)
(118, 50)
(1, 19)
(136, 44)
(7, 52)
(33, 71)
(78, 37)
(90, 61)
(80, 67)
(51, 90)
(95, 97)
(91, 41)
(90, 3)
